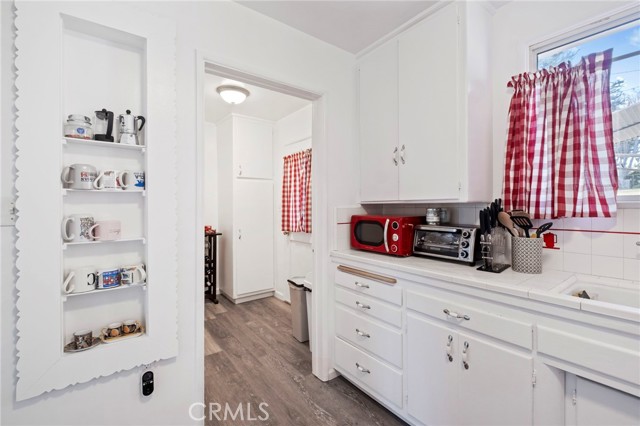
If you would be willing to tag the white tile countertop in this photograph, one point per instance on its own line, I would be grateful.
(546, 287)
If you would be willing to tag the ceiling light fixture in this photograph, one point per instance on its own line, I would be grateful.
(233, 95)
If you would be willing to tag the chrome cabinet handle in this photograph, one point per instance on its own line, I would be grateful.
(402, 154)
(465, 356)
(395, 156)
(362, 285)
(362, 334)
(456, 315)
(362, 369)
(449, 348)
(360, 305)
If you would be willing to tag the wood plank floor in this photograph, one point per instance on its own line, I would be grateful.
(251, 357)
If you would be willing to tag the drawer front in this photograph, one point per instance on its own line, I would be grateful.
(388, 292)
(494, 325)
(370, 307)
(615, 361)
(381, 341)
(377, 376)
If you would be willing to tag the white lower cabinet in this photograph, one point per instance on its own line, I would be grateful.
(455, 378)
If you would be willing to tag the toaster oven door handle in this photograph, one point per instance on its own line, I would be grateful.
(386, 229)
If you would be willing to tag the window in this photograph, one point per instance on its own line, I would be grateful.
(622, 33)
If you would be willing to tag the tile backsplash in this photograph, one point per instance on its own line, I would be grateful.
(607, 247)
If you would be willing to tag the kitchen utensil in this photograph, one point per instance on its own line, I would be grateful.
(78, 126)
(129, 128)
(550, 240)
(523, 222)
(544, 228)
(103, 125)
(526, 255)
(505, 220)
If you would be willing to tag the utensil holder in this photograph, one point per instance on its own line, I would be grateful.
(526, 255)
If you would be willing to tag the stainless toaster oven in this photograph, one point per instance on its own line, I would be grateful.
(453, 242)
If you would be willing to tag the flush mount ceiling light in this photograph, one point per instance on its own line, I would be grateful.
(233, 95)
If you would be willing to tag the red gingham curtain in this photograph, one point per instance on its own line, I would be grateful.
(296, 192)
(559, 156)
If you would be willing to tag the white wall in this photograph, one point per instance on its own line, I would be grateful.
(242, 39)
(211, 175)
(293, 252)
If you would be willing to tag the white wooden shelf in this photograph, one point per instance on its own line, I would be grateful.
(88, 243)
(142, 285)
(91, 142)
(66, 191)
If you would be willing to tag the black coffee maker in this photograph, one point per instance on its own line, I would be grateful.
(103, 126)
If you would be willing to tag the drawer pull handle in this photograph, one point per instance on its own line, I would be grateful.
(449, 349)
(363, 306)
(362, 285)
(362, 369)
(465, 357)
(456, 315)
(362, 334)
(366, 274)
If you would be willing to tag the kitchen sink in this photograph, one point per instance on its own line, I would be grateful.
(604, 293)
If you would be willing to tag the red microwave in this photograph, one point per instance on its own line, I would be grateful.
(384, 234)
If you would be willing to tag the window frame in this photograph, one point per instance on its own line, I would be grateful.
(581, 31)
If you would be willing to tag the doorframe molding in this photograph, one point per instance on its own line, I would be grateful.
(207, 62)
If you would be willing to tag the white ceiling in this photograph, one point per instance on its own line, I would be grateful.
(261, 103)
(349, 25)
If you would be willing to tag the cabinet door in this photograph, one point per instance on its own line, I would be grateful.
(253, 234)
(590, 404)
(379, 124)
(432, 383)
(252, 148)
(428, 108)
(497, 387)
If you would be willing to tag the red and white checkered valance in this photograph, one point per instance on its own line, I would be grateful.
(296, 192)
(560, 160)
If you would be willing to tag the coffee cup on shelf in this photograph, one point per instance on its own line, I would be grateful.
(113, 330)
(81, 280)
(129, 327)
(132, 274)
(107, 179)
(106, 230)
(79, 176)
(108, 278)
(83, 339)
(132, 180)
(77, 228)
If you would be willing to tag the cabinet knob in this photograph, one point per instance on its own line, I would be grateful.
(402, 154)
(449, 349)
(395, 156)
(361, 285)
(465, 355)
(362, 334)
(363, 306)
(362, 369)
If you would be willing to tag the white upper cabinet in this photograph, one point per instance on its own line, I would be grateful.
(252, 148)
(425, 103)
(379, 124)
(428, 82)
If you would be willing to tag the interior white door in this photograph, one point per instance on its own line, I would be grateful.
(496, 388)
(378, 75)
(253, 233)
(432, 383)
(252, 148)
(428, 108)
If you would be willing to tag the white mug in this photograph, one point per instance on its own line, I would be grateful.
(105, 230)
(107, 179)
(128, 274)
(79, 176)
(108, 278)
(81, 226)
(132, 180)
(81, 280)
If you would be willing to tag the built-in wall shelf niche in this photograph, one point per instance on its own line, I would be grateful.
(97, 56)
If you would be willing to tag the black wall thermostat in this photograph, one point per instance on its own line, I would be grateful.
(147, 383)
